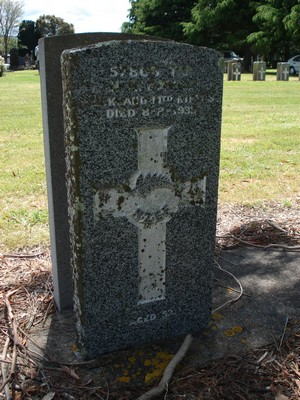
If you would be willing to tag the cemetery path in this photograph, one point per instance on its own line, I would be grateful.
(250, 350)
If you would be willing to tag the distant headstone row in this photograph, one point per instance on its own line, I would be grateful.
(234, 71)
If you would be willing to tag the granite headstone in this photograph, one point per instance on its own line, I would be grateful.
(283, 73)
(142, 126)
(259, 70)
(234, 70)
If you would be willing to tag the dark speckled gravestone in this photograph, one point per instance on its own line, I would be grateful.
(142, 122)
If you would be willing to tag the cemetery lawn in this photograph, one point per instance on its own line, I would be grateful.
(260, 141)
(259, 152)
(23, 197)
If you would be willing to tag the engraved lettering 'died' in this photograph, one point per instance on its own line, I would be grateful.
(149, 203)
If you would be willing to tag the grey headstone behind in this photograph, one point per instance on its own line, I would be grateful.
(143, 123)
(50, 49)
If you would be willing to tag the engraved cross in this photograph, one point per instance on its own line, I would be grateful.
(285, 73)
(151, 201)
(262, 73)
(237, 71)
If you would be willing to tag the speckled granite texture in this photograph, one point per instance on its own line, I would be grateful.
(142, 122)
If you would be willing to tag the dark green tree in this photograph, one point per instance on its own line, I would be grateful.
(28, 36)
(223, 24)
(162, 18)
(292, 23)
(50, 25)
(278, 33)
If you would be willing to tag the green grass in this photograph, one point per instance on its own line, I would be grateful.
(260, 141)
(259, 155)
(23, 201)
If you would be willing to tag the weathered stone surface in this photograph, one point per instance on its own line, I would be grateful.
(142, 122)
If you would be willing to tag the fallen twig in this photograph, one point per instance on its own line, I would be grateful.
(163, 384)
(4, 370)
(282, 246)
(238, 282)
(262, 357)
(14, 337)
(41, 356)
(23, 255)
(12, 320)
(71, 372)
(13, 366)
(276, 226)
(284, 330)
(230, 288)
(4, 384)
(240, 240)
(260, 246)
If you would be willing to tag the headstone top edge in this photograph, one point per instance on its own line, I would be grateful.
(133, 42)
(100, 35)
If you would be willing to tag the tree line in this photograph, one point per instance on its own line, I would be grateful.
(26, 34)
(265, 29)
(268, 29)
(46, 25)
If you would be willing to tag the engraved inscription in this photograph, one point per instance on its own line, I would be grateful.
(152, 317)
(164, 82)
(133, 72)
(144, 106)
(130, 71)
